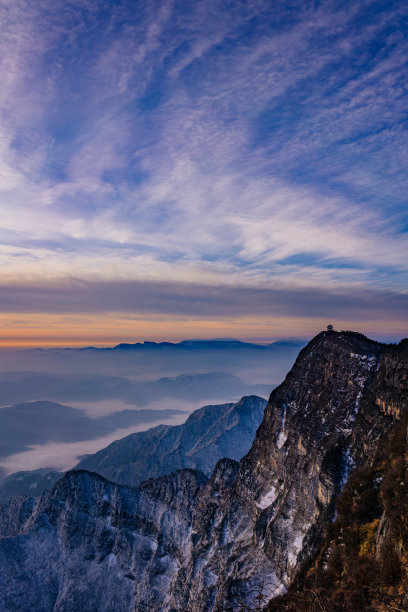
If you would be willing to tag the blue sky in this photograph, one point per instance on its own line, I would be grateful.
(158, 158)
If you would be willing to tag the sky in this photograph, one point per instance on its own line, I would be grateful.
(185, 169)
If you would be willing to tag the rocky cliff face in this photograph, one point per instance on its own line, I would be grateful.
(92, 545)
(185, 543)
(362, 562)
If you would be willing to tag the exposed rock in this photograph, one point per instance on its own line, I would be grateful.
(361, 563)
(92, 545)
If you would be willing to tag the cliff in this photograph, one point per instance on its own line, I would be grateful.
(362, 562)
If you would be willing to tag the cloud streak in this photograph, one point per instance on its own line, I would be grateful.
(245, 146)
(203, 301)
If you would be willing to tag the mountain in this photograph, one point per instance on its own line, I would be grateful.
(88, 543)
(216, 344)
(18, 387)
(184, 542)
(149, 360)
(209, 434)
(194, 344)
(361, 563)
(32, 483)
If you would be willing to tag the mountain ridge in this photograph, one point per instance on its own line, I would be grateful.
(209, 434)
(212, 343)
(246, 531)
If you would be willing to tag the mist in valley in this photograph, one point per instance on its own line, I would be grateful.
(57, 405)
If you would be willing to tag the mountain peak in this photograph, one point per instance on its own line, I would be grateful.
(209, 433)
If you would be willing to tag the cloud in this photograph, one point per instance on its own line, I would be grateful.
(65, 455)
(245, 145)
(203, 301)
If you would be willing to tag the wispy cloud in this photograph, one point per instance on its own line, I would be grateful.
(201, 301)
(243, 145)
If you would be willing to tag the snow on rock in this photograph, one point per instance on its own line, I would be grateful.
(268, 498)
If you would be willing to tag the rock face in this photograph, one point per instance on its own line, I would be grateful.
(91, 545)
(209, 434)
(185, 543)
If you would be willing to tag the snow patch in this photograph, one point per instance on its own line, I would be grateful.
(281, 439)
(297, 544)
(349, 465)
(280, 590)
(296, 548)
(210, 579)
(282, 435)
(267, 499)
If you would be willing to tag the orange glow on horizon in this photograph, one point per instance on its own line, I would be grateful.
(49, 330)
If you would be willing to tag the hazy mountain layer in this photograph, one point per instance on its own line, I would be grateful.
(27, 386)
(32, 483)
(37, 422)
(209, 434)
(149, 361)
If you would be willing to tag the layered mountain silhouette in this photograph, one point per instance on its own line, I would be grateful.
(32, 423)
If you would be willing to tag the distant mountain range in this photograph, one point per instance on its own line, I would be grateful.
(199, 344)
(201, 386)
(32, 423)
(148, 361)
